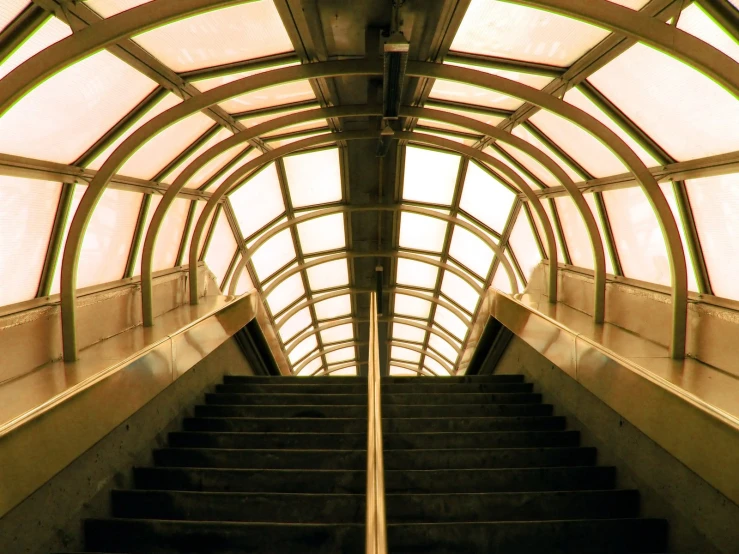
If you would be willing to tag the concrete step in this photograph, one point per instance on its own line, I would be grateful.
(234, 379)
(260, 459)
(350, 508)
(489, 458)
(360, 412)
(387, 388)
(287, 399)
(393, 425)
(391, 441)
(396, 481)
(286, 379)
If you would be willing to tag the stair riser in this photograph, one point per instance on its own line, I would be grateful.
(395, 425)
(503, 458)
(415, 388)
(350, 412)
(435, 399)
(260, 459)
(480, 440)
(482, 410)
(360, 412)
(238, 379)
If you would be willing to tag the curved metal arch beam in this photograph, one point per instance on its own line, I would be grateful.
(322, 351)
(438, 301)
(340, 367)
(442, 361)
(96, 37)
(347, 255)
(411, 367)
(237, 175)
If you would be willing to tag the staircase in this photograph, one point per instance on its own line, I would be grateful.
(473, 464)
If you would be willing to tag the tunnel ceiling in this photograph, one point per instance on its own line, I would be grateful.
(510, 110)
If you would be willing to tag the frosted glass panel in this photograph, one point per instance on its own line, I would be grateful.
(521, 285)
(258, 201)
(590, 199)
(585, 149)
(450, 322)
(219, 37)
(219, 136)
(277, 252)
(50, 32)
(341, 355)
(243, 283)
(412, 306)
(435, 367)
(443, 347)
(328, 275)
(669, 193)
(27, 212)
(579, 100)
(307, 345)
(79, 190)
(696, 22)
(314, 178)
(295, 325)
(512, 31)
(524, 246)
(430, 176)
(715, 203)
(210, 169)
(575, 232)
(471, 251)
(285, 293)
(695, 119)
(637, 235)
(153, 204)
(106, 8)
(460, 291)
(485, 198)
(96, 93)
(322, 234)
(170, 235)
(165, 146)
(333, 307)
(310, 368)
(344, 372)
(221, 250)
(404, 354)
(498, 156)
(409, 333)
(108, 238)
(533, 165)
(501, 281)
(340, 333)
(542, 235)
(416, 274)
(421, 232)
(402, 372)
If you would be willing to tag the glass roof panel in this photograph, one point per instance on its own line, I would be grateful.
(487, 118)
(244, 283)
(53, 30)
(443, 348)
(218, 37)
(590, 199)
(485, 198)
(313, 177)
(478, 96)
(153, 204)
(669, 193)
(10, 9)
(638, 238)
(295, 325)
(277, 252)
(344, 372)
(27, 214)
(501, 281)
(322, 234)
(498, 156)
(291, 139)
(575, 232)
(308, 344)
(96, 93)
(521, 285)
(575, 97)
(411, 306)
(170, 234)
(210, 169)
(199, 207)
(512, 31)
(430, 176)
(471, 251)
(447, 320)
(333, 307)
(165, 146)
(421, 232)
(107, 241)
(435, 367)
(416, 274)
(221, 249)
(585, 149)
(220, 135)
(340, 333)
(715, 203)
(79, 190)
(697, 22)
(310, 368)
(401, 331)
(285, 293)
(685, 112)
(402, 372)
(542, 236)
(328, 275)
(404, 354)
(263, 190)
(460, 291)
(524, 246)
(542, 172)
(341, 355)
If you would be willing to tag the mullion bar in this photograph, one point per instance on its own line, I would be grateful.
(691, 237)
(608, 234)
(138, 236)
(560, 234)
(542, 251)
(225, 169)
(495, 62)
(519, 166)
(211, 232)
(55, 239)
(21, 28)
(189, 222)
(201, 140)
(569, 160)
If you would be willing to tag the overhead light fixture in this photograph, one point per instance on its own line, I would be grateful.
(396, 58)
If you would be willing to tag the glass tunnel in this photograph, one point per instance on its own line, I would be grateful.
(533, 131)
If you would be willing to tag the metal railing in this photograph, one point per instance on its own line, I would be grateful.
(376, 532)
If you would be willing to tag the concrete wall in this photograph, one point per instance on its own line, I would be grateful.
(702, 520)
(50, 520)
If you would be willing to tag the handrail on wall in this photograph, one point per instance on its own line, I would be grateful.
(376, 533)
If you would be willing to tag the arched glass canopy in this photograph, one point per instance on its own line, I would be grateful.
(451, 210)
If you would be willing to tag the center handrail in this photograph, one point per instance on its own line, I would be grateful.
(376, 533)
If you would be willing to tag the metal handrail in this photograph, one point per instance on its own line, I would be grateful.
(376, 532)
